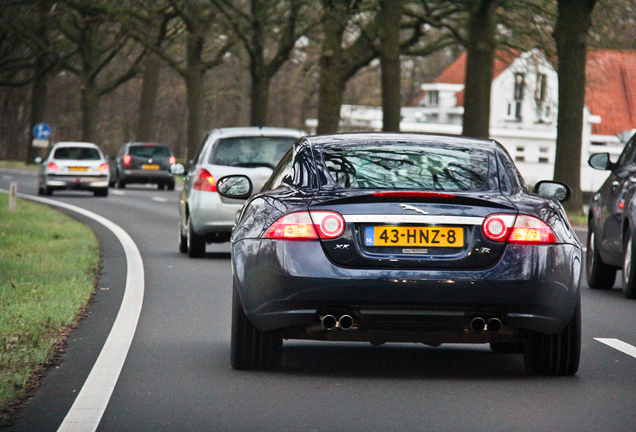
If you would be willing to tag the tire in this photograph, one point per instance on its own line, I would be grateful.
(557, 354)
(195, 242)
(183, 241)
(252, 349)
(629, 266)
(47, 191)
(171, 186)
(101, 192)
(120, 183)
(599, 275)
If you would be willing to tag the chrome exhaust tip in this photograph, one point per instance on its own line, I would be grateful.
(477, 324)
(494, 325)
(345, 322)
(329, 322)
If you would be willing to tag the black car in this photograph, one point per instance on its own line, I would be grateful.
(612, 223)
(144, 163)
(404, 238)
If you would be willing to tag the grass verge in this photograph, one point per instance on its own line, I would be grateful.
(48, 267)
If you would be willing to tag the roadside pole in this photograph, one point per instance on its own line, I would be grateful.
(13, 189)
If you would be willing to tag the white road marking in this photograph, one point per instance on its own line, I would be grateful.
(619, 345)
(91, 402)
(160, 199)
(117, 192)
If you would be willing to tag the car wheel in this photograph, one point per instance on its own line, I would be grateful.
(101, 192)
(557, 354)
(183, 241)
(252, 349)
(171, 186)
(161, 186)
(121, 184)
(40, 190)
(196, 243)
(599, 275)
(629, 271)
(47, 191)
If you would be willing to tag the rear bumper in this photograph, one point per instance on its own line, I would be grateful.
(146, 176)
(76, 182)
(292, 284)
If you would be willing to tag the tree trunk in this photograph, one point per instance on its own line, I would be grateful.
(195, 92)
(573, 24)
(390, 17)
(479, 69)
(90, 112)
(146, 126)
(38, 106)
(259, 97)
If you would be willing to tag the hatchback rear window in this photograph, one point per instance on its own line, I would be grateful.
(76, 153)
(407, 166)
(250, 151)
(149, 151)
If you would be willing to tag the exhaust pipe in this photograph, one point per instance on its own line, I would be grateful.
(345, 322)
(494, 325)
(477, 324)
(328, 322)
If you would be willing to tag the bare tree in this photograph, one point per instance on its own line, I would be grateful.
(268, 31)
(390, 20)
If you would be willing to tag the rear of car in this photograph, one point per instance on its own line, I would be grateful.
(145, 163)
(74, 166)
(206, 217)
(406, 239)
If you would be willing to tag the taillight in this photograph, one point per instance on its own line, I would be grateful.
(204, 181)
(127, 159)
(103, 167)
(302, 226)
(520, 229)
(52, 166)
(172, 160)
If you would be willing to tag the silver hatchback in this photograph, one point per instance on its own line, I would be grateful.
(204, 216)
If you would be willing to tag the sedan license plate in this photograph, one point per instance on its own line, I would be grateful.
(430, 236)
(78, 169)
(150, 167)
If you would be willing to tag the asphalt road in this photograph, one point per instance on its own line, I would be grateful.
(177, 375)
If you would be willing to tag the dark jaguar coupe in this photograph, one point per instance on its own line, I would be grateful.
(404, 238)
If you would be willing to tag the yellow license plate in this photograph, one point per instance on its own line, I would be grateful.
(430, 236)
(78, 169)
(150, 167)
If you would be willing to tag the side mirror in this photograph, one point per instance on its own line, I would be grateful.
(177, 169)
(601, 161)
(38, 160)
(552, 189)
(234, 186)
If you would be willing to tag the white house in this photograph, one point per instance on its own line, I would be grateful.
(523, 111)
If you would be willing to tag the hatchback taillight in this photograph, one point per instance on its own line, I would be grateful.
(127, 159)
(103, 167)
(52, 166)
(172, 160)
(204, 181)
(306, 226)
(520, 229)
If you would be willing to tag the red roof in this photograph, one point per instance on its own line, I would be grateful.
(610, 91)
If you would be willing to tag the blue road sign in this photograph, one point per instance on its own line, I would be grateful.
(42, 131)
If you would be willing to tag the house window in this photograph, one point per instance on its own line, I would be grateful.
(432, 98)
(543, 160)
(520, 158)
(519, 86)
(543, 149)
(520, 148)
(541, 88)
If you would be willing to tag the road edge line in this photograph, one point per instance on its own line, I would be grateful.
(91, 402)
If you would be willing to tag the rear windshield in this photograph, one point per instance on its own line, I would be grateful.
(250, 151)
(76, 153)
(407, 166)
(149, 151)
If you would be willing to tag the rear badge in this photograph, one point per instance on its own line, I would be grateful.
(342, 246)
(414, 251)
